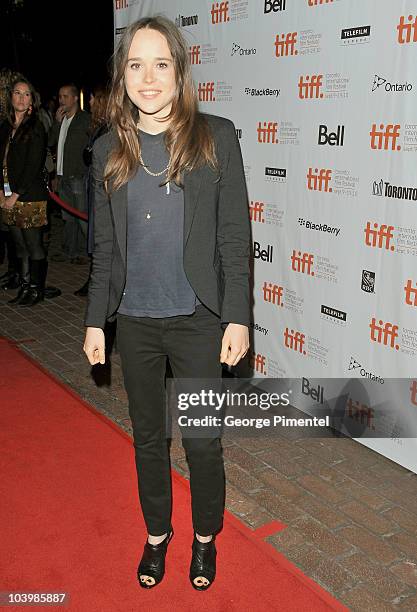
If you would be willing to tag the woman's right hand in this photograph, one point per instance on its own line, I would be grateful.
(94, 345)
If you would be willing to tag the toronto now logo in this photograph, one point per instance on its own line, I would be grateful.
(388, 86)
(407, 30)
(120, 4)
(368, 281)
(256, 211)
(267, 132)
(294, 340)
(219, 12)
(310, 86)
(182, 22)
(195, 54)
(273, 293)
(384, 333)
(380, 236)
(302, 262)
(386, 189)
(385, 137)
(356, 365)
(319, 179)
(285, 44)
(258, 363)
(410, 293)
(206, 92)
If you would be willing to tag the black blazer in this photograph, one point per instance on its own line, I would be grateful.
(216, 234)
(25, 160)
(75, 143)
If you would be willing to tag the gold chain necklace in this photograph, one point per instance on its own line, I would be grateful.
(145, 167)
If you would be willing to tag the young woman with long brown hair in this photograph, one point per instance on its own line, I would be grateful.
(171, 263)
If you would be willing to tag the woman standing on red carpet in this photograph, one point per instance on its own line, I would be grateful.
(171, 263)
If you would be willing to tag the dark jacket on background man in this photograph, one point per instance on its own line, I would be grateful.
(25, 160)
(75, 143)
(216, 234)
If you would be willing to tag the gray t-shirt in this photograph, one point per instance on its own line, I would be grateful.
(156, 284)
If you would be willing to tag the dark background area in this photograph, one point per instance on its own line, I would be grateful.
(52, 42)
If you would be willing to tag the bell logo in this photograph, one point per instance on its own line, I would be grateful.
(407, 32)
(256, 212)
(318, 2)
(384, 333)
(194, 53)
(319, 180)
(386, 137)
(413, 390)
(332, 138)
(379, 238)
(257, 362)
(264, 254)
(361, 413)
(316, 394)
(285, 44)
(302, 262)
(410, 293)
(206, 92)
(219, 12)
(294, 340)
(310, 87)
(267, 132)
(273, 293)
(120, 4)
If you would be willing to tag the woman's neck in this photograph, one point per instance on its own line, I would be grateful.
(18, 118)
(150, 125)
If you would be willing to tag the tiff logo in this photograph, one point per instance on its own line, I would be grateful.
(285, 45)
(379, 238)
(310, 87)
(361, 413)
(194, 53)
(206, 92)
(318, 2)
(413, 390)
(267, 132)
(302, 262)
(219, 12)
(120, 4)
(258, 363)
(256, 211)
(385, 136)
(294, 340)
(384, 333)
(410, 293)
(273, 293)
(319, 180)
(407, 30)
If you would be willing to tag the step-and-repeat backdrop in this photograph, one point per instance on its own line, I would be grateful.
(323, 94)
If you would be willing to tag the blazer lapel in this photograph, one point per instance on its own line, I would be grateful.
(119, 210)
(192, 184)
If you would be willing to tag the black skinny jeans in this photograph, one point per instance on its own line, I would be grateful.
(192, 344)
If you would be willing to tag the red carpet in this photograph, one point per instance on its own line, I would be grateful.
(70, 520)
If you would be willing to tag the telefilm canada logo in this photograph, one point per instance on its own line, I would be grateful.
(380, 82)
(356, 36)
(368, 281)
(400, 192)
(183, 22)
(237, 50)
(334, 313)
(355, 365)
(276, 175)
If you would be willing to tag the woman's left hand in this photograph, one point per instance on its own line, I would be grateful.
(235, 344)
(9, 202)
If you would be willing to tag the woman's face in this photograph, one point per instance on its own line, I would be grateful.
(21, 98)
(150, 74)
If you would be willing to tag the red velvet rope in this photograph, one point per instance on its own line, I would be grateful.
(68, 207)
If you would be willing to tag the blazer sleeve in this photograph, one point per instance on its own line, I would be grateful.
(99, 286)
(233, 232)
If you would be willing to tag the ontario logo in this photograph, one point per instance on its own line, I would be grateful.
(356, 365)
(390, 87)
(238, 50)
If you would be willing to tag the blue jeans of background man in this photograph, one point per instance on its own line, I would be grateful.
(72, 190)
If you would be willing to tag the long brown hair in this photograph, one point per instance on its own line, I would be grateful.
(187, 138)
(31, 114)
(99, 108)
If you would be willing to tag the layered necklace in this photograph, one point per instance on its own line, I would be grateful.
(148, 171)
